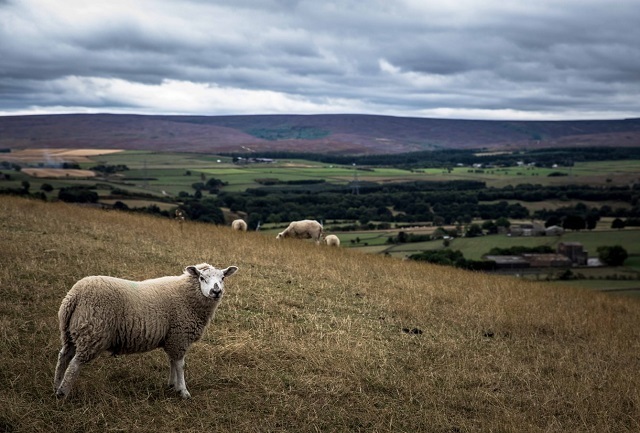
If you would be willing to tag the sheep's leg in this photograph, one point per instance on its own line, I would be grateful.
(172, 374)
(176, 377)
(72, 372)
(64, 356)
(70, 376)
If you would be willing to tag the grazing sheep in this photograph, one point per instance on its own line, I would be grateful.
(304, 229)
(239, 225)
(332, 240)
(111, 314)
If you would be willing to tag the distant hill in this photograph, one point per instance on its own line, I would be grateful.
(331, 133)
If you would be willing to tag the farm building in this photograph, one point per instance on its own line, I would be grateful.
(554, 231)
(525, 261)
(574, 251)
(547, 260)
(527, 229)
(508, 262)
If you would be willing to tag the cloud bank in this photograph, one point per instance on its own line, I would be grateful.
(507, 59)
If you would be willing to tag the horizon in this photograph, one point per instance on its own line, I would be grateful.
(106, 113)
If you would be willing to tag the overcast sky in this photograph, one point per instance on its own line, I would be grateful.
(472, 59)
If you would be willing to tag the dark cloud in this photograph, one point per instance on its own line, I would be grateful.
(494, 59)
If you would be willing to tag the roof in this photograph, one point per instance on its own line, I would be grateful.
(571, 244)
(507, 259)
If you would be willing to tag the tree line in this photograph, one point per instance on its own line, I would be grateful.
(451, 157)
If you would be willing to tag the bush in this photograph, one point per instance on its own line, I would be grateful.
(612, 256)
(78, 194)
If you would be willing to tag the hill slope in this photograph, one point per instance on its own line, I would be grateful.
(310, 339)
(350, 134)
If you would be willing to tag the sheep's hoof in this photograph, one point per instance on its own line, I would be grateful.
(185, 394)
(60, 394)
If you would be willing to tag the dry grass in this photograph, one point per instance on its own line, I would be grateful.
(58, 172)
(310, 338)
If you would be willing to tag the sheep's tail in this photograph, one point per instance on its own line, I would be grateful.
(67, 308)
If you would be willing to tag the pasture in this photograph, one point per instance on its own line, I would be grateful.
(162, 173)
(310, 338)
(241, 177)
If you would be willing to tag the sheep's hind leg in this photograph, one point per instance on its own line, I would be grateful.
(64, 357)
(176, 377)
(70, 376)
(73, 370)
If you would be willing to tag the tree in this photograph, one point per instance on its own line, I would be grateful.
(78, 194)
(490, 227)
(474, 230)
(592, 220)
(574, 222)
(612, 256)
(553, 220)
(46, 187)
(503, 222)
(120, 205)
(618, 224)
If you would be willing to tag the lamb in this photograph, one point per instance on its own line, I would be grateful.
(332, 240)
(304, 229)
(239, 225)
(103, 313)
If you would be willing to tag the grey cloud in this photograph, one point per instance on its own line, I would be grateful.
(542, 58)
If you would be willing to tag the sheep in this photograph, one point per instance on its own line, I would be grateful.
(239, 225)
(103, 313)
(332, 240)
(304, 229)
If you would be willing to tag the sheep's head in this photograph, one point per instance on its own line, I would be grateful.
(280, 235)
(211, 279)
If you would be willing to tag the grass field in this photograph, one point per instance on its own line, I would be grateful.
(311, 339)
(168, 170)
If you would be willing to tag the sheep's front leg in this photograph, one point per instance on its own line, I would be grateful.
(176, 377)
(64, 357)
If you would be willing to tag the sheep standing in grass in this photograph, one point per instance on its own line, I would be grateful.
(332, 240)
(304, 229)
(111, 314)
(239, 225)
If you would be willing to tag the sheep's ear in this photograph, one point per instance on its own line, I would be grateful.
(191, 270)
(229, 271)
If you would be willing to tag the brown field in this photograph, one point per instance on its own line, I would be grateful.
(310, 339)
(54, 155)
(57, 172)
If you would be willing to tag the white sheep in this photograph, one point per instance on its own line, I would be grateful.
(111, 314)
(239, 225)
(332, 240)
(304, 229)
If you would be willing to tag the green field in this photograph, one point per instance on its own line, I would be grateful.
(168, 172)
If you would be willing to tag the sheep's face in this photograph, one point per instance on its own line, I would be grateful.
(280, 236)
(211, 279)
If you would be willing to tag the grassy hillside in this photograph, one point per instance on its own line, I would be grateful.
(310, 339)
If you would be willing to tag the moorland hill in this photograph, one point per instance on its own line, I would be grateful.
(330, 133)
